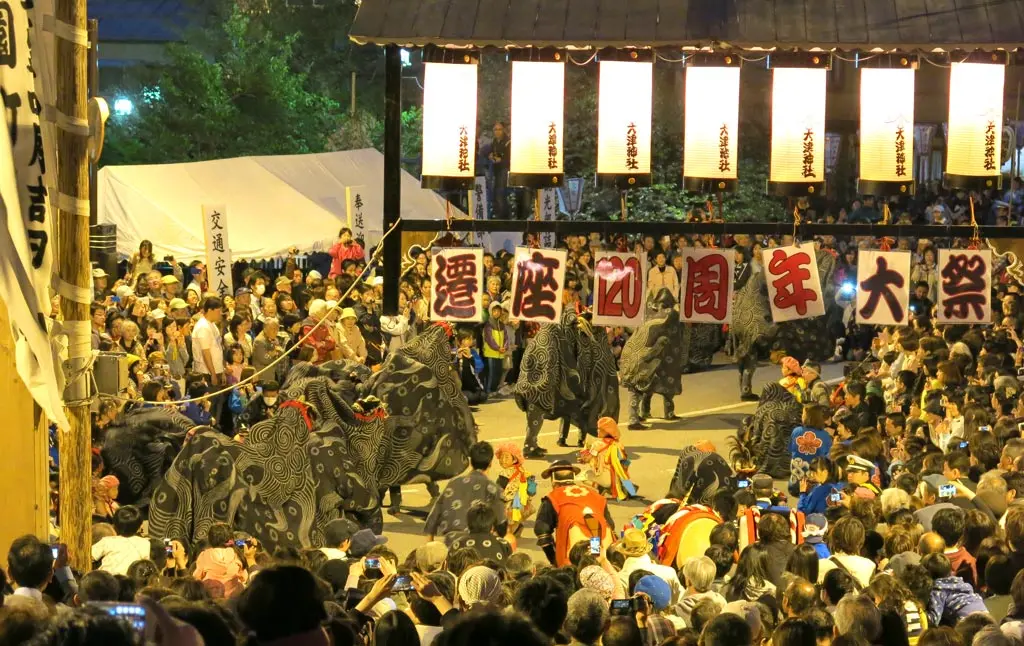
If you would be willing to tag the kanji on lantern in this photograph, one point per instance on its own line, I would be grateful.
(457, 275)
(538, 280)
(883, 295)
(619, 289)
(794, 287)
(707, 286)
(965, 286)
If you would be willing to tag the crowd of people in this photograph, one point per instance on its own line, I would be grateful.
(899, 522)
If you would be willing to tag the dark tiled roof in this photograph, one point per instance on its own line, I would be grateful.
(847, 24)
(157, 21)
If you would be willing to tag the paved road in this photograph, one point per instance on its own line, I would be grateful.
(709, 407)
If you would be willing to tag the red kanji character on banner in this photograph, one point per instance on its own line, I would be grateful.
(878, 286)
(707, 286)
(963, 286)
(619, 287)
(536, 287)
(789, 274)
(456, 282)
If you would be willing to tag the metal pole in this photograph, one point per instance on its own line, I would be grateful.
(392, 176)
(623, 206)
(71, 64)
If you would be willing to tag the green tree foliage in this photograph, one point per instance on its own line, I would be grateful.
(229, 91)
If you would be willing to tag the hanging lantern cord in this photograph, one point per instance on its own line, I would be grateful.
(975, 242)
(885, 243)
(796, 222)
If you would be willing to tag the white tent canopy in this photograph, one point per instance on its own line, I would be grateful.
(272, 202)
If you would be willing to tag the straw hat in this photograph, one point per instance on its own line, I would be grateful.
(347, 313)
(634, 543)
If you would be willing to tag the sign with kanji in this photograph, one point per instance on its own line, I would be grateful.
(965, 286)
(619, 289)
(794, 287)
(538, 280)
(218, 250)
(480, 208)
(456, 283)
(355, 207)
(706, 287)
(883, 287)
(548, 212)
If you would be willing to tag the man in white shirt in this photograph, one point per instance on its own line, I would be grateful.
(207, 344)
(636, 548)
(338, 536)
(116, 553)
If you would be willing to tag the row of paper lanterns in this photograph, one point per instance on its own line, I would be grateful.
(711, 130)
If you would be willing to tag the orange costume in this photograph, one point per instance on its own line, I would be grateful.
(572, 512)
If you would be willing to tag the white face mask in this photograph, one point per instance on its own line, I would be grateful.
(270, 401)
(260, 289)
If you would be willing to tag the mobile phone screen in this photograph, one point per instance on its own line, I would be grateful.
(835, 497)
(133, 613)
(621, 606)
(403, 583)
(595, 545)
(55, 550)
(743, 484)
(373, 564)
(947, 491)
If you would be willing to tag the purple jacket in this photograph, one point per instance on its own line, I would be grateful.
(951, 600)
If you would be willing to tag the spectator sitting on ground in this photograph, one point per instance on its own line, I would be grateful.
(115, 553)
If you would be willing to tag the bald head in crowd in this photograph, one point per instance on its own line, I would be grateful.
(930, 543)
(800, 596)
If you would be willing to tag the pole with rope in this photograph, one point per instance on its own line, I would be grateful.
(71, 65)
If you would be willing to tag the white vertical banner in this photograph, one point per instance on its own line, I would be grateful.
(456, 284)
(355, 206)
(794, 286)
(218, 249)
(619, 288)
(26, 234)
(548, 213)
(965, 286)
(538, 281)
(883, 287)
(481, 206)
(706, 286)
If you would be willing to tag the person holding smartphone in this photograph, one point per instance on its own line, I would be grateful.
(222, 560)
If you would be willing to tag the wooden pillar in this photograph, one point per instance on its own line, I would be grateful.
(71, 65)
(94, 92)
(392, 176)
(24, 468)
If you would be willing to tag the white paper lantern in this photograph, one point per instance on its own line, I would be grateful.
(886, 131)
(624, 120)
(538, 98)
(449, 124)
(798, 131)
(711, 128)
(974, 139)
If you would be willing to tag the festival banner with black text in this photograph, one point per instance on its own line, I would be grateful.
(707, 285)
(883, 287)
(218, 249)
(538, 281)
(456, 285)
(794, 286)
(26, 219)
(965, 286)
(619, 289)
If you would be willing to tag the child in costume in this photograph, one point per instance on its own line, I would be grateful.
(608, 462)
(518, 486)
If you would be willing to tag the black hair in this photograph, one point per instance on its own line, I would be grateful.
(727, 630)
(545, 602)
(127, 520)
(725, 535)
(722, 557)
(480, 518)
(211, 303)
(151, 390)
(98, 586)
(837, 584)
(394, 629)
(338, 531)
(999, 574)
(219, 535)
(30, 561)
(949, 524)
(481, 455)
(284, 600)
(937, 565)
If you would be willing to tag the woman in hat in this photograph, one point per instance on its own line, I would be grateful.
(518, 486)
(353, 347)
(607, 462)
